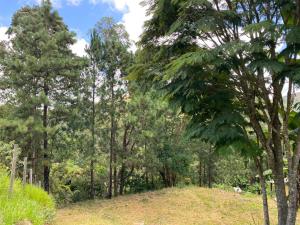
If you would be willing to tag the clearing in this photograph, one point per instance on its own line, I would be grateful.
(175, 206)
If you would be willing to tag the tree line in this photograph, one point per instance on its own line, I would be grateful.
(86, 129)
(211, 82)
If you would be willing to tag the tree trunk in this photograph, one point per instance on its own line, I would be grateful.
(46, 154)
(123, 159)
(280, 191)
(122, 179)
(111, 160)
(152, 182)
(293, 182)
(147, 178)
(115, 173)
(298, 186)
(293, 199)
(263, 190)
(209, 168)
(164, 176)
(92, 194)
(209, 175)
(110, 174)
(112, 156)
(204, 175)
(200, 172)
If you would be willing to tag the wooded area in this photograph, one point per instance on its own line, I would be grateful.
(208, 99)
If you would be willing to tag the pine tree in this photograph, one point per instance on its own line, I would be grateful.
(40, 68)
(92, 79)
(112, 57)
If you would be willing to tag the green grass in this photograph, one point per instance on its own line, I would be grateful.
(26, 204)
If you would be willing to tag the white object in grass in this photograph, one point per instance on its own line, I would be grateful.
(237, 189)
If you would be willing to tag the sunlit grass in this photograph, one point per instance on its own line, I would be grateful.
(186, 206)
(29, 204)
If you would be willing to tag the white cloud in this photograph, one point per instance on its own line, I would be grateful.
(3, 35)
(118, 4)
(79, 47)
(74, 2)
(133, 18)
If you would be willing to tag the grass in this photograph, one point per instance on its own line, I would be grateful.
(26, 204)
(175, 206)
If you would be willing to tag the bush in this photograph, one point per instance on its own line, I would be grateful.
(70, 183)
(30, 203)
(254, 188)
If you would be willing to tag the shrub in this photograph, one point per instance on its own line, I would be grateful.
(30, 203)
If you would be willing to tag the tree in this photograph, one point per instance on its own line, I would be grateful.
(40, 69)
(113, 58)
(156, 144)
(225, 64)
(95, 58)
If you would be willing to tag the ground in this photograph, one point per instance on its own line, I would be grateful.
(175, 206)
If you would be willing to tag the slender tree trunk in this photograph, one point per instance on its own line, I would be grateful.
(122, 179)
(293, 160)
(292, 169)
(280, 191)
(111, 160)
(204, 175)
(209, 175)
(123, 159)
(293, 200)
(115, 173)
(92, 194)
(110, 171)
(46, 153)
(152, 181)
(293, 190)
(263, 190)
(115, 170)
(200, 172)
(147, 178)
(112, 156)
(35, 145)
(298, 186)
(163, 174)
(92, 191)
(209, 168)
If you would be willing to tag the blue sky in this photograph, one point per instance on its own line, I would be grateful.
(82, 15)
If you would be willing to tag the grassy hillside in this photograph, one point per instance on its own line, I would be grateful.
(29, 204)
(175, 206)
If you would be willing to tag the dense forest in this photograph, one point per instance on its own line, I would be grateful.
(207, 99)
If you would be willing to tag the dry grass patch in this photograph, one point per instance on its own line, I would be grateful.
(188, 206)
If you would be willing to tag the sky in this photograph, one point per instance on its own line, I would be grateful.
(82, 15)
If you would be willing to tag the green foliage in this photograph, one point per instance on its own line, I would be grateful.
(31, 203)
(39, 81)
(70, 182)
(186, 77)
(232, 170)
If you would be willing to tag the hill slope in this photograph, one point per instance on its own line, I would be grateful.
(174, 206)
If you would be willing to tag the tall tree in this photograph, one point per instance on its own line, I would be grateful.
(95, 58)
(40, 68)
(114, 58)
(226, 63)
